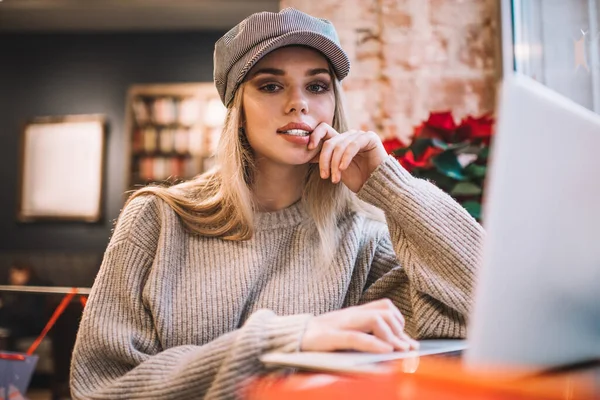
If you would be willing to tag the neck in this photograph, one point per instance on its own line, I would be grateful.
(278, 186)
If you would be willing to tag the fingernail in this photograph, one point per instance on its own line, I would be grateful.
(387, 348)
(402, 345)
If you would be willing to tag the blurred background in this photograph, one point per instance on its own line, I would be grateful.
(136, 77)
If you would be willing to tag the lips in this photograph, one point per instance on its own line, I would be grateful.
(296, 129)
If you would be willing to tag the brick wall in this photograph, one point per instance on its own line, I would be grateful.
(410, 57)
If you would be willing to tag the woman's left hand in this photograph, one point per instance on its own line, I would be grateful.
(348, 157)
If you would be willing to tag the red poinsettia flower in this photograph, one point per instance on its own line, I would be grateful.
(478, 128)
(441, 120)
(419, 131)
(407, 161)
(392, 144)
(441, 134)
(439, 125)
(424, 160)
(410, 162)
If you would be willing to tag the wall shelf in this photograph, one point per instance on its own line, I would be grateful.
(169, 136)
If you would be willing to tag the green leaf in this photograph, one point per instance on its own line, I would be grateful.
(469, 149)
(440, 144)
(465, 189)
(400, 152)
(484, 153)
(447, 164)
(459, 147)
(473, 208)
(419, 146)
(440, 180)
(476, 171)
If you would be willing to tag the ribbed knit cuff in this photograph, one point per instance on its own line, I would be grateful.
(284, 333)
(383, 184)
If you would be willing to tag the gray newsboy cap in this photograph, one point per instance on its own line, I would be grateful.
(259, 34)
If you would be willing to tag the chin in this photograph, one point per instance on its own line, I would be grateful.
(298, 157)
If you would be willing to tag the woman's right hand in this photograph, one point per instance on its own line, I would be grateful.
(376, 327)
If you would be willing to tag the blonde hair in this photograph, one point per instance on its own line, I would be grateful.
(219, 203)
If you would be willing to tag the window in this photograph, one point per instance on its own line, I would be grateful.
(557, 42)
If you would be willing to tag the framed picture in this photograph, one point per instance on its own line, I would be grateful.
(61, 171)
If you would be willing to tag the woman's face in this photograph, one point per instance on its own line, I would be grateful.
(286, 95)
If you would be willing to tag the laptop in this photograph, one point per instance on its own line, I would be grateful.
(537, 301)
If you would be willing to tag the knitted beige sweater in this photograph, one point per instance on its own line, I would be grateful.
(178, 316)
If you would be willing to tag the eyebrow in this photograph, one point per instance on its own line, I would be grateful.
(280, 72)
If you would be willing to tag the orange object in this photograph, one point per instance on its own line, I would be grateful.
(428, 378)
(59, 310)
(83, 301)
(12, 357)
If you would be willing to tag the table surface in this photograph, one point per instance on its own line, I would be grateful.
(431, 377)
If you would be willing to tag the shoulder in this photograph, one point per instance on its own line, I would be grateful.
(140, 222)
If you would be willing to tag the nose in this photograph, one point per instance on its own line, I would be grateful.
(296, 102)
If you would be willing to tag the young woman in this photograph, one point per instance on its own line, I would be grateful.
(307, 236)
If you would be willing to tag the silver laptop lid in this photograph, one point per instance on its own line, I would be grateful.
(538, 296)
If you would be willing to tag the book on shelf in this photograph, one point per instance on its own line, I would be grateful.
(160, 168)
(189, 111)
(211, 140)
(177, 167)
(181, 141)
(195, 140)
(150, 137)
(166, 110)
(166, 140)
(146, 169)
(140, 111)
(137, 143)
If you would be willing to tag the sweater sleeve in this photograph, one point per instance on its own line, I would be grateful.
(427, 259)
(118, 354)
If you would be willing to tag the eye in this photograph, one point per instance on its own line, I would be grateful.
(318, 88)
(270, 88)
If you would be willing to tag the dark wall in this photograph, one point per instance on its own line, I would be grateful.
(61, 74)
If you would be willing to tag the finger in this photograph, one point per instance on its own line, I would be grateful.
(382, 330)
(396, 319)
(379, 323)
(323, 131)
(315, 137)
(407, 343)
(385, 304)
(381, 304)
(351, 151)
(336, 157)
(352, 340)
(395, 325)
(414, 344)
(326, 153)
